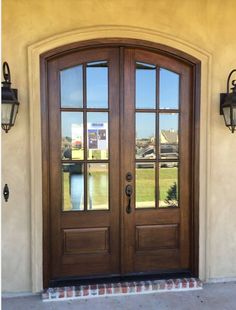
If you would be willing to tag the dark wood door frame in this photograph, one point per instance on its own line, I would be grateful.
(195, 133)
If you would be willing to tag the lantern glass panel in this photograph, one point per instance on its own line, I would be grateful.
(15, 111)
(234, 116)
(226, 111)
(6, 113)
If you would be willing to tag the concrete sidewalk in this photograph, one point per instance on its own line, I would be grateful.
(220, 296)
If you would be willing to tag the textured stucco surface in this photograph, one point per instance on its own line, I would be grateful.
(206, 24)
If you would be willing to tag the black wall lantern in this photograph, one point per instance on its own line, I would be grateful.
(228, 105)
(10, 103)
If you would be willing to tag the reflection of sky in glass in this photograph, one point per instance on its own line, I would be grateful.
(97, 85)
(72, 87)
(97, 117)
(145, 125)
(168, 122)
(67, 119)
(169, 89)
(145, 86)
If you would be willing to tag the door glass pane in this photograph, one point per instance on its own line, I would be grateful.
(97, 84)
(72, 146)
(169, 140)
(145, 185)
(98, 186)
(72, 87)
(145, 135)
(168, 184)
(169, 89)
(97, 133)
(145, 86)
(73, 187)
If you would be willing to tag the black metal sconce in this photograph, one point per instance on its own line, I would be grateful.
(228, 105)
(10, 103)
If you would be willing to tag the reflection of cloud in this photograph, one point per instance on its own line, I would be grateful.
(98, 93)
(76, 95)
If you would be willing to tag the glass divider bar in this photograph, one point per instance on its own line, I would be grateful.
(85, 136)
(157, 136)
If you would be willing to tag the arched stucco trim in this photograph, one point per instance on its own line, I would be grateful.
(96, 32)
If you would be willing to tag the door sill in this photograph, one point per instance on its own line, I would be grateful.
(114, 278)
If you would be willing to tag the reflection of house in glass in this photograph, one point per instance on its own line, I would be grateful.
(145, 148)
(169, 144)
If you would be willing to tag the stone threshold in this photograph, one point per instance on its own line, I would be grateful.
(120, 289)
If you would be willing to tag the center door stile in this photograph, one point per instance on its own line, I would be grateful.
(128, 146)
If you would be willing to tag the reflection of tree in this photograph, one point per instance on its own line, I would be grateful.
(171, 198)
(67, 152)
(66, 147)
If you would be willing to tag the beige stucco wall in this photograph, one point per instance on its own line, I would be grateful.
(204, 24)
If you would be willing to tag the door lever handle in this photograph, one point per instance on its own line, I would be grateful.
(128, 208)
(128, 192)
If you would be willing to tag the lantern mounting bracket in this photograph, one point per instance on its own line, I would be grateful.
(6, 73)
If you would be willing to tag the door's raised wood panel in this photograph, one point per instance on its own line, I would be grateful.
(155, 237)
(86, 240)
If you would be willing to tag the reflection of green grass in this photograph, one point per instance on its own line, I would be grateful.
(66, 195)
(97, 183)
(167, 178)
(77, 154)
(98, 188)
(145, 185)
(92, 154)
(97, 154)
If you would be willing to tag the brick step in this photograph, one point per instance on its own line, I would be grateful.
(122, 288)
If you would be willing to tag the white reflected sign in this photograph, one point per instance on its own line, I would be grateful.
(77, 135)
(97, 136)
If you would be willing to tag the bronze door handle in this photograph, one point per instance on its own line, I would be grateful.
(128, 192)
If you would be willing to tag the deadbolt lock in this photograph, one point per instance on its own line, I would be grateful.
(129, 176)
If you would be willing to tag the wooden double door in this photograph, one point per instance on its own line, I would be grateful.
(117, 164)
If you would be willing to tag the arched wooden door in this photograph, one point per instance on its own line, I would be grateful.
(118, 164)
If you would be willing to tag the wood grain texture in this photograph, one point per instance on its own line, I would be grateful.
(86, 240)
(155, 237)
(161, 250)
